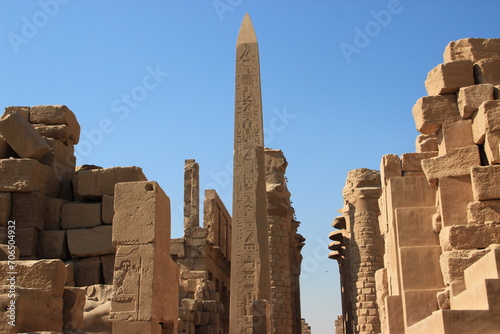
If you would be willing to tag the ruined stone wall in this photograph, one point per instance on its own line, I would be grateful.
(439, 207)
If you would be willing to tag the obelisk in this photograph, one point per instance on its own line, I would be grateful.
(250, 274)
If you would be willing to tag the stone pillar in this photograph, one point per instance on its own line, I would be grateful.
(146, 280)
(191, 195)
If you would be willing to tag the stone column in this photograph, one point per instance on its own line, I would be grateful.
(191, 196)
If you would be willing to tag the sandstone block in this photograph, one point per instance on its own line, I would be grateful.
(144, 206)
(60, 132)
(9, 252)
(457, 163)
(491, 147)
(412, 161)
(485, 182)
(108, 210)
(53, 208)
(5, 150)
(53, 245)
(90, 242)
(62, 161)
(483, 212)
(5, 207)
(137, 327)
(27, 242)
(470, 98)
(28, 209)
(97, 307)
(410, 192)
(35, 309)
(94, 183)
(453, 263)
(486, 119)
(454, 135)
(80, 215)
(487, 71)
(24, 175)
(449, 77)
(414, 228)
(56, 114)
(430, 112)
(426, 143)
(45, 275)
(496, 92)
(73, 307)
(22, 137)
(88, 271)
(469, 237)
(454, 194)
(24, 111)
(472, 49)
(413, 260)
(108, 266)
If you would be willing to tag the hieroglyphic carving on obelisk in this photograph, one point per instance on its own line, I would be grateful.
(250, 274)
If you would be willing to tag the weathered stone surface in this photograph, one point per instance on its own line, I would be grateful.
(24, 175)
(9, 252)
(53, 245)
(413, 259)
(410, 192)
(483, 212)
(453, 263)
(88, 271)
(108, 210)
(97, 307)
(457, 163)
(56, 114)
(73, 307)
(414, 228)
(60, 132)
(487, 71)
(430, 112)
(487, 119)
(491, 147)
(35, 309)
(454, 194)
(469, 237)
(472, 49)
(454, 135)
(470, 98)
(53, 210)
(28, 209)
(94, 183)
(412, 161)
(449, 77)
(70, 268)
(5, 207)
(46, 275)
(5, 150)
(22, 137)
(63, 162)
(191, 195)
(137, 327)
(25, 111)
(108, 266)
(426, 143)
(80, 215)
(90, 242)
(141, 205)
(485, 182)
(27, 242)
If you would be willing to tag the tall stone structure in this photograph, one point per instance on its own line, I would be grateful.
(250, 248)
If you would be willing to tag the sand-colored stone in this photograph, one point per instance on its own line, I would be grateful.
(73, 307)
(27, 242)
(108, 265)
(25, 111)
(471, 97)
(88, 271)
(9, 252)
(485, 182)
(449, 77)
(454, 135)
(28, 209)
(487, 71)
(426, 143)
(97, 307)
(141, 206)
(453, 263)
(108, 210)
(5, 207)
(80, 215)
(5, 150)
(90, 242)
(454, 193)
(53, 245)
(56, 114)
(94, 183)
(473, 49)
(469, 237)
(412, 161)
(61, 132)
(456, 163)
(24, 175)
(53, 208)
(430, 112)
(486, 119)
(46, 275)
(492, 146)
(414, 228)
(483, 212)
(413, 259)
(191, 194)
(22, 137)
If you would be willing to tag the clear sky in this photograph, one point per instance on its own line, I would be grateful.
(152, 84)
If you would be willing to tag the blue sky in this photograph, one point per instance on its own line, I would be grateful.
(152, 84)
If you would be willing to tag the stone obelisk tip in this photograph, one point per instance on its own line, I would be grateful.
(247, 33)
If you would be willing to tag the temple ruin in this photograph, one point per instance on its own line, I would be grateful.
(418, 242)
